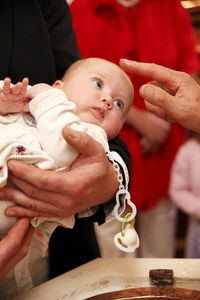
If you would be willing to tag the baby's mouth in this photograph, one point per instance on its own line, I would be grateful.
(99, 112)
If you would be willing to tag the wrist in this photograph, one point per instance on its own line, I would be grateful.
(36, 89)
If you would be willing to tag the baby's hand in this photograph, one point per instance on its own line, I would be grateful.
(13, 98)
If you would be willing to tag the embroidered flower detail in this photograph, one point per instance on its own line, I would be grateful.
(21, 150)
(1, 171)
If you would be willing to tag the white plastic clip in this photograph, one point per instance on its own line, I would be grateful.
(127, 200)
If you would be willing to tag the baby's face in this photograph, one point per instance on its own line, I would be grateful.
(102, 92)
(128, 3)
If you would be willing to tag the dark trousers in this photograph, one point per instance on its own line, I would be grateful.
(70, 248)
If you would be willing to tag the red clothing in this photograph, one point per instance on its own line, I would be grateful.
(156, 31)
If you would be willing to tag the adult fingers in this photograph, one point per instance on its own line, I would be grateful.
(84, 143)
(158, 98)
(41, 208)
(19, 211)
(58, 196)
(57, 189)
(156, 72)
(159, 112)
(145, 145)
(10, 244)
(51, 180)
(42, 179)
(21, 229)
(15, 245)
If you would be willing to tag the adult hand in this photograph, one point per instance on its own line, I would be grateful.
(153, 130)
(15, 245)
(155, 134)
(91, 180)
(172, 95)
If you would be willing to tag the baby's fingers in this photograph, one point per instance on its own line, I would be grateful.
(16, 89)
(20, 88)
(6, 86)
(24, 85)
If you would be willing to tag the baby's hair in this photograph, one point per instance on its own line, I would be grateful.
(72, 68)
(80, 62)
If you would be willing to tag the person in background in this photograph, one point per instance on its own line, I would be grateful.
(184, 190)
(39, 42)
(149, 31)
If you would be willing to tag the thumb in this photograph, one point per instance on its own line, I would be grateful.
(157, 97)
(81, 141)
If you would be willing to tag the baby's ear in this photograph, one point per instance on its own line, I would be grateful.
(58, 84)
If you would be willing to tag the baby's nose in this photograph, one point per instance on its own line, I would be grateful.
(108, 102)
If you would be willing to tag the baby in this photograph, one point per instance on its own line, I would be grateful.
(94, 96)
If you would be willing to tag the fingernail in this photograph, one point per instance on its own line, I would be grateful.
(126, 61)
(146, 91)
(10, 213)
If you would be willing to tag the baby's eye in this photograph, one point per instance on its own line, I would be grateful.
(119, 104)
(98, 83)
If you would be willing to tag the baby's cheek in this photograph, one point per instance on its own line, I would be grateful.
(113, 128)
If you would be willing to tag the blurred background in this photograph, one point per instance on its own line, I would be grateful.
(193, 7)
